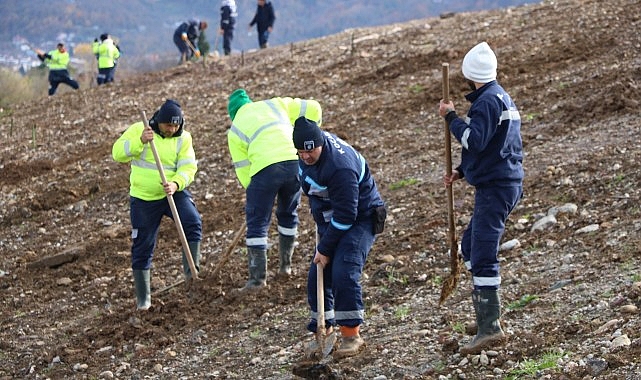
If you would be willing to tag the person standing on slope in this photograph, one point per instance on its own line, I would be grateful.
(491, 161)
(228, 16)
(264, 20)
(107, 53)
(148, 196)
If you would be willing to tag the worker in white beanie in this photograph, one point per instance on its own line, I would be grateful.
(491, 161)
(479, 64)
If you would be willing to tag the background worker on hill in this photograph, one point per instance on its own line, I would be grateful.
(186, 38)
(57, 61)
(107, 53)
(228, 16)
(266, 165)
(264, 19)
(348, 211)
(491, 161)
(148, 195)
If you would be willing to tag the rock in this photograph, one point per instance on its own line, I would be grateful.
(511, 244)
(587, 229)
(596, 366)
(607, 326)
(629, 309)
(64, 281)
(621, 341)
(543, 223)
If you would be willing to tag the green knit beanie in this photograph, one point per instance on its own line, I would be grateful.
(237, 99)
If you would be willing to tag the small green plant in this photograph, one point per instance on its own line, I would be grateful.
(20, 314)
(636, 277)
(417, 88)
(531, 116)
(439, 366)
(402, 312)
(403, 183)
(522, 302)
(437, 280)
(255, 333)
(532, 367)
(458, 327)
(608, 293)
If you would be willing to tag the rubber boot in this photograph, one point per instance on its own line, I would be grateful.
(257, 269)
(142, 283)
(487, 306)
(286, 250)
(194, 248)
(351, 343)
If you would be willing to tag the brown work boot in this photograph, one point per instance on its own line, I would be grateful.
(350, 346)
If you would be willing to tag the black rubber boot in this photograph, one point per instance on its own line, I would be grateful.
(257, 269)
(142, 284)
(194, 248)
(487, 306)
(286, 251)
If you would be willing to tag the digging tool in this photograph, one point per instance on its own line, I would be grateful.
(221, 262)
(325, 342)
(230, 249)
(320, 305)
(172, 204)
(191, 46)
(216, 54)
(450, 283)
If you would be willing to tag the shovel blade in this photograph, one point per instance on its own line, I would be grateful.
(328, 345)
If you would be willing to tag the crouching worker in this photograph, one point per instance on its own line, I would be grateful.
(148, 195)
(266, 165)
(349, 212)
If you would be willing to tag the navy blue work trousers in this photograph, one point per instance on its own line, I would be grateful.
(60, 76)
(480, 241)
(278, 183)
(341, 278)
(145, 222)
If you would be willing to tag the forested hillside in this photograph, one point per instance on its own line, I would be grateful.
(144, 27)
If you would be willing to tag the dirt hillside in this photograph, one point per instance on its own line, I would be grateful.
(571, 283)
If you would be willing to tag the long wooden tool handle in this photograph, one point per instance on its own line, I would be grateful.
(191, 46)
(230, 249)
(320, 302)
(320, 305)
(448, 168)
(172, 204)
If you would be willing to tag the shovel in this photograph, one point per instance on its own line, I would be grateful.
(172, 205)
(325, 342)
(450, 283)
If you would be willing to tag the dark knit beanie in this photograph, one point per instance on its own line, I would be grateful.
(170, 112)
(307, 135)
(104, 36)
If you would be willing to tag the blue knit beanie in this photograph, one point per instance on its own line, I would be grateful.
(307, 135)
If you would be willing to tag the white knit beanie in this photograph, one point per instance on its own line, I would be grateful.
(479, 64)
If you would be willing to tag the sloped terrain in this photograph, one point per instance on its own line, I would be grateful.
(570, 288)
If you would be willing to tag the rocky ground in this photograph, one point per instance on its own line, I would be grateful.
(571, 277)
